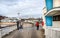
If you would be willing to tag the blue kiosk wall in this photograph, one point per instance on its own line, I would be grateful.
(49, 4)
(49, 20)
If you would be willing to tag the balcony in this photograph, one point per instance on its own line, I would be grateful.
(53, 12)
(44, 10)
(53, 9)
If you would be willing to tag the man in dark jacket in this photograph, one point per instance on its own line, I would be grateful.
(18, 25)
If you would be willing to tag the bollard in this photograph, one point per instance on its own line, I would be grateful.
(42, 33)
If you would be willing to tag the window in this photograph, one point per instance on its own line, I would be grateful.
(56, 18)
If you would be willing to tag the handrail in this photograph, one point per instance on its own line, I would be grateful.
(7, 24)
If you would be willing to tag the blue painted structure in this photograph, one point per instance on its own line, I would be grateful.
(49, 20)
(49, 4)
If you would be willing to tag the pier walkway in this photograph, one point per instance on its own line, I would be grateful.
(28, 32)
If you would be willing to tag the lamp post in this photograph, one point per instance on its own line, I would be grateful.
(18, 15)
(18, 21)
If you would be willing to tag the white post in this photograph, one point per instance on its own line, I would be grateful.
(18, 15)
(0, 33)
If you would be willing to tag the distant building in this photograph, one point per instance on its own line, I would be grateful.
(9, 19)
(2, 17)
(32, 20)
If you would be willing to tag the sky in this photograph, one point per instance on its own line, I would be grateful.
(26, 8)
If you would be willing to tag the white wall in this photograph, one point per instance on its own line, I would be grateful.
(0, 33)
(56, 24)
(52, 32)
(56, 3)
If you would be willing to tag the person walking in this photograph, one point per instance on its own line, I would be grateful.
(17, 25)
(21, 25)
(42, 23)
(37, 25)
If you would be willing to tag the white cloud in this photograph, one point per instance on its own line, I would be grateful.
(24, 7)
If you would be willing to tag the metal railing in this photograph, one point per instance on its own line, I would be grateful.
(7, 29)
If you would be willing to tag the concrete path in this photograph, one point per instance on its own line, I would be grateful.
(26, 32)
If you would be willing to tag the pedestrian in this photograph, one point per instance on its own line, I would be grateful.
(21, 25)
(37, 25)
(17, 25)
(42, 23)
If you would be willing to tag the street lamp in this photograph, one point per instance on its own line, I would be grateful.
(18, 15)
